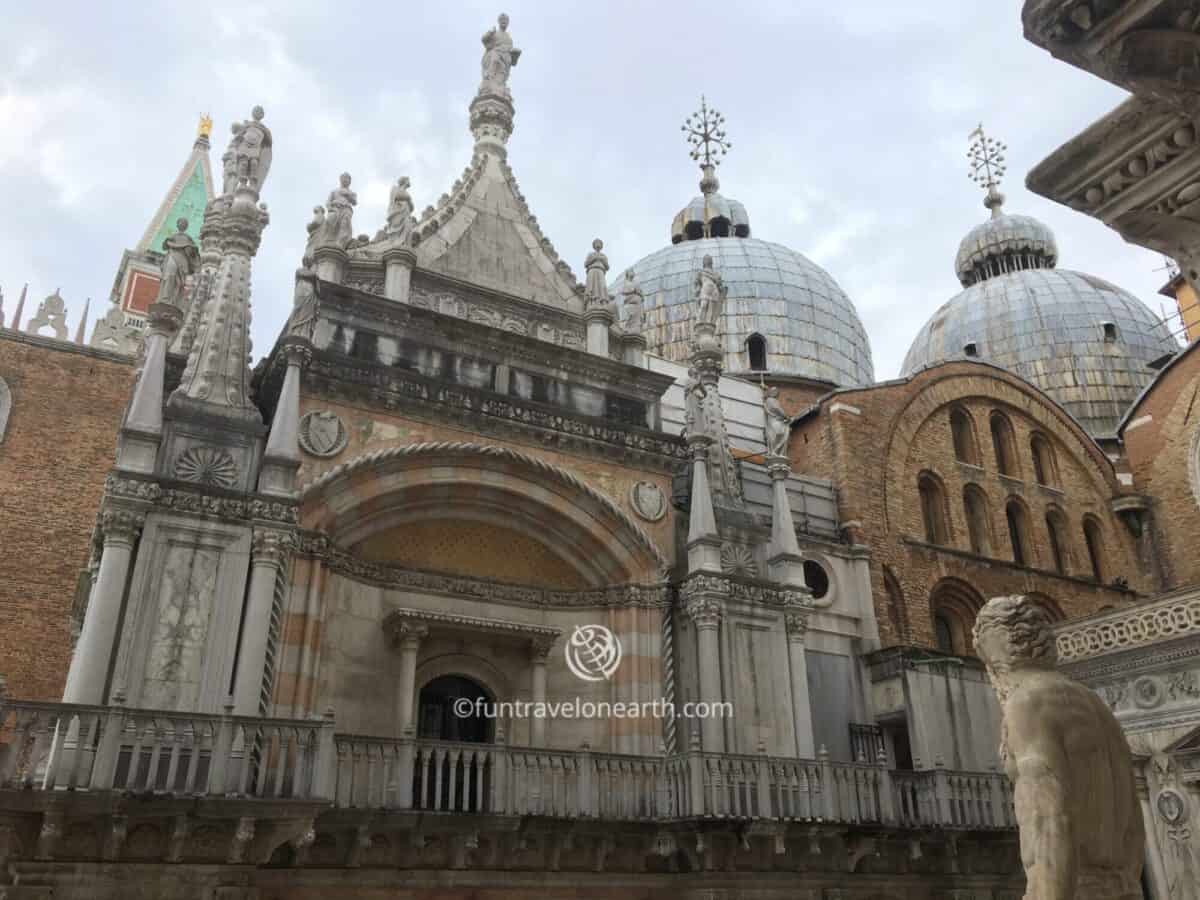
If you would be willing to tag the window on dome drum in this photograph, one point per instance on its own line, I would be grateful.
(756, 347)
(719, 227)
(1018, 532)
(1003, 444)
(971, 349)
(1056, 530)
(1045, 466)
(963, 432)
(1094, 539)
(933, 508)
(1110, 332)
(978, 520)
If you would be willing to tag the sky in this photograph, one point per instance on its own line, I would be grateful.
(849, 124)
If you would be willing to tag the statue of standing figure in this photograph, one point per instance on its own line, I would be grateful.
(596, 265)
(315, 228)
(182, 259)
(399, 213)
(249, 153)
(338, 228)
(778, 425)
(694, 392)
(303, 319)
(499, 56)
(633, 300)
(709, 290)
(1080, 823)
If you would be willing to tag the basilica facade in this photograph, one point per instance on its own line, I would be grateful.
(493, 581)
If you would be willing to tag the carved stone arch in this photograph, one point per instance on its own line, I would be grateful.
(5, 407)
(480, 670)
(959, 603)
(897, 609)
(377, 490)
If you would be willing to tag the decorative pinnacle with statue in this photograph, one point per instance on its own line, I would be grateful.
(499, 56)
(1077, 809)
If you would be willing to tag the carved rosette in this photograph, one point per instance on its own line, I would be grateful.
(271, 547)
(209, 466)
(121, 526)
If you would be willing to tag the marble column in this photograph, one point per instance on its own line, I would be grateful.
(407, 637)
(281, 460)
(269, 552)
(330, 262)
(796, 625)
(705, 611)
(141, 432)
(398, 265)
(539, 652)
(94, 650)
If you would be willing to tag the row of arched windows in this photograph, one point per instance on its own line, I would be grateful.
(935, 515)
(1004, 446)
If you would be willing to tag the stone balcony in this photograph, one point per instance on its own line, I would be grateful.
(83, 783)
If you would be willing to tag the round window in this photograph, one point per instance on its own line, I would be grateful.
(816, 579)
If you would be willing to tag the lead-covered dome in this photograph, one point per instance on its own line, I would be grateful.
(784, 315)
(1085, 342)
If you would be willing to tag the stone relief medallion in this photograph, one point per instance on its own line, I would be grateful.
(322, 434)
(736, 559)
(1147, 693)
(210, 466)
(648, 501)
(1171, 806)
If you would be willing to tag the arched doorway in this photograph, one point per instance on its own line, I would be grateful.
(442, 704)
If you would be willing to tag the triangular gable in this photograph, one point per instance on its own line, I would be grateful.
(187, 198)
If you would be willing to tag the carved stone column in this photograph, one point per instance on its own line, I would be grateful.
(282, 458)
(94, 650)
(397, 282)
(539, 652)
(141, 432)
(785, 562)
(704, 606)
(330, 262)
(796, 623)
(599, 318)
(407, 637)
(704, 541)
(1156, 872)
(270, 550)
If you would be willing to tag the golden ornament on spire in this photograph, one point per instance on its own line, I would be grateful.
(205, 127)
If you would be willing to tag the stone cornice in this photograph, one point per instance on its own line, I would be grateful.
(347, 564)
(378, 386)
(126, 489)
(1151, 623)
(49, 343)
(745, 590)
(395, 622)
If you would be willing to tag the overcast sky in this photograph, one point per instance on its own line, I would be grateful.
(849, 122)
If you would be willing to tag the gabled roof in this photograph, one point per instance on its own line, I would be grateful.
(187, 197)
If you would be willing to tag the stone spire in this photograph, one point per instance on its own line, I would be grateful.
(16, 320)
(82, 327)
(492, 109)
(217, 377)
(186, 198)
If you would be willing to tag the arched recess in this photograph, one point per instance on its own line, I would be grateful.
(1045, 463)
(1053, 610)
(1019, 537)
(387, 489)
(1093, 538)
(953, 605)
(962, 432)
(979, 519)
(1060, 545)
(756, 348)
(935, 513)
(897, 612)
(1004, 444)
(5, 407)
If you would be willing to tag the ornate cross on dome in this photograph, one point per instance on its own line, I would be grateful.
(706, 134)
(986, 156)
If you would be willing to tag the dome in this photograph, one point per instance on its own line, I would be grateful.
(1083, 341)
(809, 325)
(988, 249)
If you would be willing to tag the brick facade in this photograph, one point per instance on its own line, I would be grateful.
(67, 403)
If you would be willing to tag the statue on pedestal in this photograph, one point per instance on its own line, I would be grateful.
(1077, 808)
(182, 259)
(304, 305)
(694, 419)
(596, 265)
(315, 228)
(499, 56)
(399, 213)
(338, 227)
(709, 290)
(633, 301)
(778, 425)
(249, 153)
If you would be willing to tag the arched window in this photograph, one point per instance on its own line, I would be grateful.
(1003, 444)
(1045, 466)
(978, 520)
(953, 605)
(943, 633)
(896, 610)
(1093, 537)
(1056, 530)
(5, 406)
(1018, 532)
(438, 706)
(963, 432)
(756, 346)
(933, 508)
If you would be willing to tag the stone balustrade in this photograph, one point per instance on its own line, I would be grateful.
(1172, 616)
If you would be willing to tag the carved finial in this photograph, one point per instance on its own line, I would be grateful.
(705, 132)
(986, 156)
(204, 129)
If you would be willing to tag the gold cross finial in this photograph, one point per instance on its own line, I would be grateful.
(705, 131)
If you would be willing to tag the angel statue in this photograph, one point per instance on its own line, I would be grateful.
(778, 424)
(181, 260)
(499, 56)
(709, 289)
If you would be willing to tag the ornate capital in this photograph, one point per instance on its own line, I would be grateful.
(121, 526)
(540, 647)
(405, 633)
(165, 318)
(296, 350)
(795, 621)
(271, 547)
(704, 610)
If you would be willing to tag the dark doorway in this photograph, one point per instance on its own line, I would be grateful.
(439, 719)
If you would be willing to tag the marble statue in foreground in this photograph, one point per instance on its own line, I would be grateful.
(1077, 810)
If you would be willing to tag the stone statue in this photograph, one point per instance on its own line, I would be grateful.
(52, 314)
(694, 392)
(709, 290)
(304, 306)
(499, 56)
(596, 264)
(778, 425)
(633, 301)
(399, 213)
(182, 259)
(338, 229)
(316, 228)
(249, 151)
(1077, 809)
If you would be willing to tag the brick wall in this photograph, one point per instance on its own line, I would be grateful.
(1161, 444)
(875, 443)
(67, 403)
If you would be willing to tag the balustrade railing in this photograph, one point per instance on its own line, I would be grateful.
(54, 746)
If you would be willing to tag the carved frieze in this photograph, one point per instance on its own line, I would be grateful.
(745, 591)
(1128, 629)
(322, 434)
(181, 499)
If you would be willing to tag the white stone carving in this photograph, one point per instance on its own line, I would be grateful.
(209, 466)
(1063, 748)
(499, 56)
(737, 559)
(52, 314)
(181, 260)
(115, 334)
(1129, 628)
(778, 424)
(248, 157)
(648, 500)
(322, 434)
(1194, 463)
